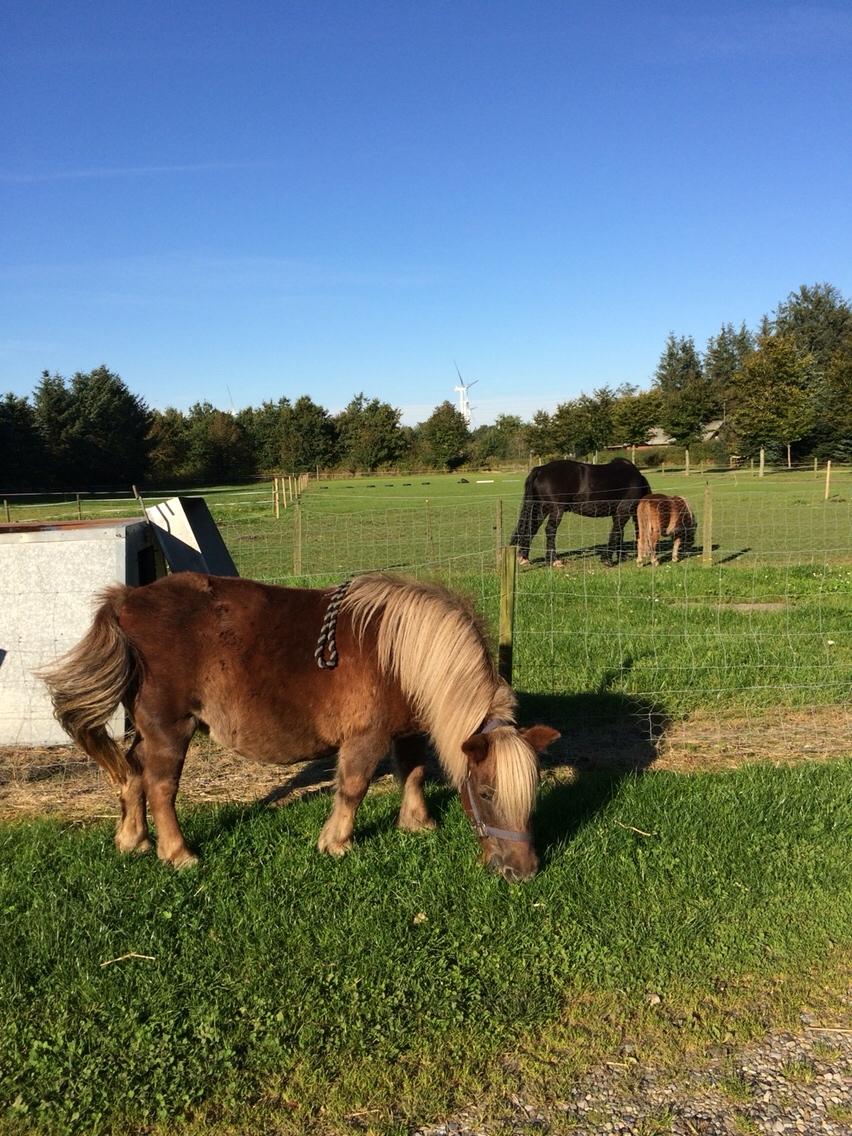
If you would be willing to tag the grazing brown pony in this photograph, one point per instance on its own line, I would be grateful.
(238, 658)
(658, 515)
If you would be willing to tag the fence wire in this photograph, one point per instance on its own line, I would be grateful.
(748, 654)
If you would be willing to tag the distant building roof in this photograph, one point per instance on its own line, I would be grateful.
(659, 437)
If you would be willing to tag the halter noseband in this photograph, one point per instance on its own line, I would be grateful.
(480, 827)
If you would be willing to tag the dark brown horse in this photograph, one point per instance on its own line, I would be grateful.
(611, 490)
(238, 658)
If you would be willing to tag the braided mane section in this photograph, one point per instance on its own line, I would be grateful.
(434, 645)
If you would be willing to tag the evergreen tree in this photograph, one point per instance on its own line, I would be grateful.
(110, 432)
(687, 400)
(818, 318)
(55, 418)
(23, 460)
(95, 431)
(725, 355)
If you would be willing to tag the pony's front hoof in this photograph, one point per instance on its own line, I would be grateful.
(135, 846)
(524, 563)
(416, 824)
(557, 564)
(180, 860)
(336, 848)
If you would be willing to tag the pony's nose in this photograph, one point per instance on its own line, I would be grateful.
(512, 872)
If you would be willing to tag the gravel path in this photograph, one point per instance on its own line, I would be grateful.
(786, 1084)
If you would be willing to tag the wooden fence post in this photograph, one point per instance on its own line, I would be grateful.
(816, 467)
(827, 479)
(686, 461)
(275, 498)
(498, 529)
(707, 527)
(8, 510)
(79, 509)
(762, 461)
(506, 635)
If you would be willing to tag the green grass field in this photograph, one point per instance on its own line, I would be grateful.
(277, 990)
(284, 992)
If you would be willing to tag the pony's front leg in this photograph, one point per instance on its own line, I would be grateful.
(356, 763)
(410, 757)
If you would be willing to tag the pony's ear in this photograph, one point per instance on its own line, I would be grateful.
(476, 748)
(540, 737)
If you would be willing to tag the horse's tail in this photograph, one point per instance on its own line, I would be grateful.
(89, 682)
(530, 515)
(434, 645)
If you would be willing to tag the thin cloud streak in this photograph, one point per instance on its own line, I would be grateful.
(129, 172)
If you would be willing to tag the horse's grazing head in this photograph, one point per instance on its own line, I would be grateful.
(498, 793)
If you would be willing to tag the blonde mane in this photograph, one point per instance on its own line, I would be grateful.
(433, 643)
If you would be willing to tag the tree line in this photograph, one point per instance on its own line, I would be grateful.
(786, 384)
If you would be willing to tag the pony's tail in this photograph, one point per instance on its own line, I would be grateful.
(89, 682)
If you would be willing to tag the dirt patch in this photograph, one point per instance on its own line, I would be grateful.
(59, 781)
(757, 606)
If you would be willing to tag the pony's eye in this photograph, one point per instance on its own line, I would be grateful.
(486, 794)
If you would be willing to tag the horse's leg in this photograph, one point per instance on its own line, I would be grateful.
(163, 754)
(615, 547)
(526, 530)
(554, 516)
(132, 834)
(410, 757)
(676, 546)
(356, 763)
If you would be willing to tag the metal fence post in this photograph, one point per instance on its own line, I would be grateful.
(506, 635)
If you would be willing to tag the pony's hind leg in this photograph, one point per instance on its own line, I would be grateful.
(162, 753)
(132, 834)
(410, 757)
(356, 763)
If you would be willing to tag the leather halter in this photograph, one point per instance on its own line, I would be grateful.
(480, 827)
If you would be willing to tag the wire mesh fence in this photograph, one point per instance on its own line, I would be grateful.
(749, 654)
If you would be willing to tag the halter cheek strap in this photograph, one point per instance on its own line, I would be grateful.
(483, 829)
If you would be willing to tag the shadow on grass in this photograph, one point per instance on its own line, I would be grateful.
(607, 737)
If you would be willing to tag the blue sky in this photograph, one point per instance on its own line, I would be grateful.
(238, 201)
